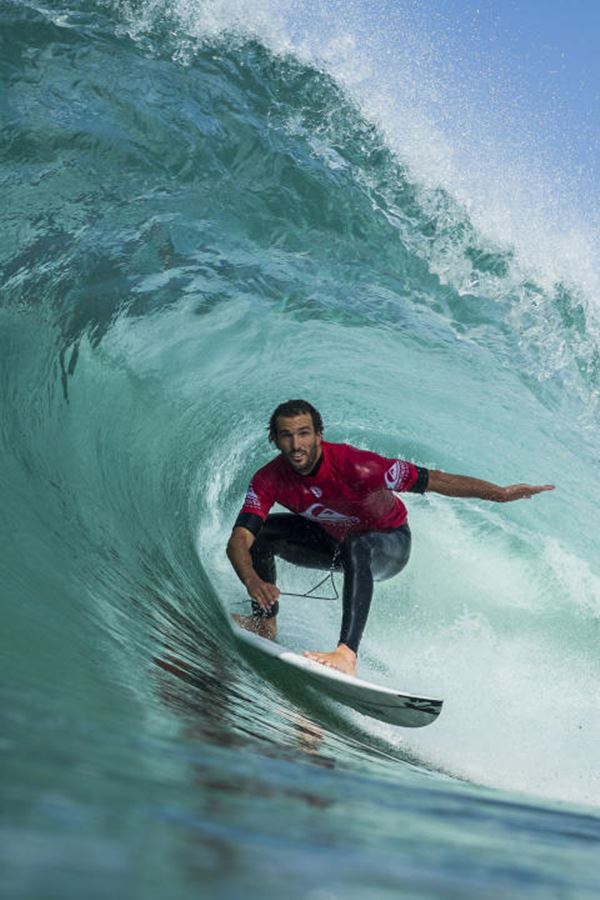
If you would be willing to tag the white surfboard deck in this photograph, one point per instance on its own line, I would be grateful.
(386, 704)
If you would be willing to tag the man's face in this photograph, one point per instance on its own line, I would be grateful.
(298, 441)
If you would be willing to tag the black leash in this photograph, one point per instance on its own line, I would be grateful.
(329, 577)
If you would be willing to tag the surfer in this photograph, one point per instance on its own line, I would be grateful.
(345, 515)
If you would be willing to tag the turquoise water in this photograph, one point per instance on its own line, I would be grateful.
(203, 218)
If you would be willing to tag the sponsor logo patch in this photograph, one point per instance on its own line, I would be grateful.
(252, 499)
(396, 475)
(321, 513)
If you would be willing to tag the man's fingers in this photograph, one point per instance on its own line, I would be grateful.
(525, 491)
(270, 594)
(264, 594)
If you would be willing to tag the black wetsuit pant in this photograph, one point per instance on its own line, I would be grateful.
(363, 558)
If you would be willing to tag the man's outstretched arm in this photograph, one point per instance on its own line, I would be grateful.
(465, 486)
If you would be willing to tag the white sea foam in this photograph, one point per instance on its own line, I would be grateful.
(491, 631)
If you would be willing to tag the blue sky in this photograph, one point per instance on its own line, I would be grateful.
(511, 87)
(548, 53)
(523, 72)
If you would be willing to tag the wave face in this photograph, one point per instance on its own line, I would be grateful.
(203, 220)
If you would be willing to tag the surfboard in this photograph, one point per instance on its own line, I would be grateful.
(382, 703)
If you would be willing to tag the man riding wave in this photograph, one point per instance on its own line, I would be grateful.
(345, 515)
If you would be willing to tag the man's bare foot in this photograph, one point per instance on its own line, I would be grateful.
(266, 628)
(342, 658)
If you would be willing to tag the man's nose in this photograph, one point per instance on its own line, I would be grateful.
(295, 442)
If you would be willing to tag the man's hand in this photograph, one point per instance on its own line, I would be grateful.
(264, 593)
(521, 492)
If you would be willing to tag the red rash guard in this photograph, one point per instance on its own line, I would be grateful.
(349, 490)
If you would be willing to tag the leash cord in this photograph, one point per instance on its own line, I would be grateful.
(310, 594)
(329, 576)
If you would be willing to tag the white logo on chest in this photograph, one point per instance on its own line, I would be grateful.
(316, 491)
(322, 513)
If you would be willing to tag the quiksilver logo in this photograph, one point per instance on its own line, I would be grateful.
(396, 474)
(322, 513)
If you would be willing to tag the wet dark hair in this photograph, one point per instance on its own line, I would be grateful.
(295, 408)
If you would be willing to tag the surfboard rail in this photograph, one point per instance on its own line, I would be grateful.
(385, 704)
